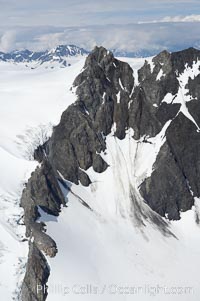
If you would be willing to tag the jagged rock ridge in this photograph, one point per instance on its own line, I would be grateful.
(108, 99)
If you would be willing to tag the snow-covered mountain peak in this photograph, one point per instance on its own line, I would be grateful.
(68, 50)
(62, 55)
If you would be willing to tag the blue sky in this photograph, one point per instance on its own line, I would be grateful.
(124, 24)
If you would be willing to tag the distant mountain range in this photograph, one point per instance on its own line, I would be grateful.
(61, 55)
(64, 55)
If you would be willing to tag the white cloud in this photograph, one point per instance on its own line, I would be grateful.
(132, 37)
(49, 40)
(121, 37)
(7, 40)
(190, 18)
(174, 19)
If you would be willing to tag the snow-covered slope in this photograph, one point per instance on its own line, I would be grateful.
(31, 102)
(116, 251)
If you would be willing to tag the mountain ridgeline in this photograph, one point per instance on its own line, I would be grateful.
(58, 54)
(163, 98)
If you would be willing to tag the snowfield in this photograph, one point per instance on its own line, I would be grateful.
(112, 252)
(30, 99)
(116, 252)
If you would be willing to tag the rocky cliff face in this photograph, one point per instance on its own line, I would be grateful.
(164, 99)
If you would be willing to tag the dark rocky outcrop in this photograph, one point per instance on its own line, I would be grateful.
(194, 87)
(37, 273)
(43, 241)
(174, 181)
(184, 140)
(145, 110)
(103, 78)
(167, 191)
(184, 58)
(42, 190)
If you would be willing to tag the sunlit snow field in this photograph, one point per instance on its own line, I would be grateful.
(29, 98)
